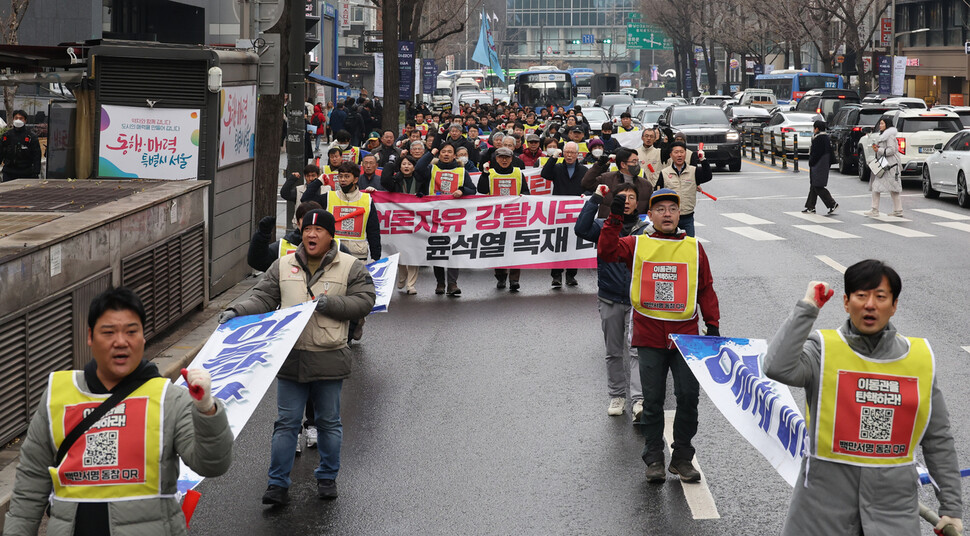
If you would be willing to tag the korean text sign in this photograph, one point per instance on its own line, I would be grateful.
(237, 124)
(148, 143)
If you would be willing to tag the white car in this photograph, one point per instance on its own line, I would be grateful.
(905, 102)
(918, 132)
(962, 111)
(789, 126)
(946, 171)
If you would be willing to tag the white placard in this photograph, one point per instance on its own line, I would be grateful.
(379, 74)
(237, 124)
(148, 143)
(55, 259)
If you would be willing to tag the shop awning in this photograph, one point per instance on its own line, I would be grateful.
(327, 81)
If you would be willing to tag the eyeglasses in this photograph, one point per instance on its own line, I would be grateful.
(665, 210)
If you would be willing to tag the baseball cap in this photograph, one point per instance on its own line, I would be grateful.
(664, 194)
(503, 151)
(531, 138)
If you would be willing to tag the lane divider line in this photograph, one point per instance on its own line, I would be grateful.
(698, 494)
(832, 263)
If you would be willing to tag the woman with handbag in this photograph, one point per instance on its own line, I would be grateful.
(887, 179)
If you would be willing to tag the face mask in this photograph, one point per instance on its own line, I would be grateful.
(605, 136)
(597, 152)
(349, 188)
(343, 146)
(17, 123)
(634, 170)
(463, 160)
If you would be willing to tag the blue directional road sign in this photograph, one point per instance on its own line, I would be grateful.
(589, 39)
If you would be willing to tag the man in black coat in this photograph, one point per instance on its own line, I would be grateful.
(819, 162)
(566, 178)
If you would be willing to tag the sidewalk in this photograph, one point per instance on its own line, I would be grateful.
(172, 351)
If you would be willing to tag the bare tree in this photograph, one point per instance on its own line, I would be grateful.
(853, 16)
(10, 34)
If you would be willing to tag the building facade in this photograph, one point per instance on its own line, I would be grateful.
(934, 34)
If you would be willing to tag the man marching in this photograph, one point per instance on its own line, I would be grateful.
(671, 280)
(504, 179)
(871, 400)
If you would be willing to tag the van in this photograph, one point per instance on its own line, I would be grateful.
(442, 95)
(827, 102)
(763, 98)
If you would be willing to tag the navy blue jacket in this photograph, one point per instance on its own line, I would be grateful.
(613, 277)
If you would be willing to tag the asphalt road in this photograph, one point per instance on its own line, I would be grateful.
(486, 414)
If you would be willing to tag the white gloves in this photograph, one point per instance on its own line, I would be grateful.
(602, 190)
(947, 520)
(818, 293)
(227, 315)
(553, 153)
(200, 387)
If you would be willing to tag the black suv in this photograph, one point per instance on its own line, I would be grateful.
(827, 102)
(852, 123)
(707, 125)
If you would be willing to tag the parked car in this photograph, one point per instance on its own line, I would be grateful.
(648, 116)
(906, 102)
(947, 169)
(827, 102)
(962, 111)
(606, 100)
(918, 133)
(849, 125)
(671, 101)
(748, 121)
(584, 102)
(787, 128)
(714, 100)
(707, 125)
(877, 98)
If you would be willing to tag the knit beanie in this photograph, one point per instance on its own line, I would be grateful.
(320, 218)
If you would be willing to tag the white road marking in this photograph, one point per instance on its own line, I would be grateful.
(897, 230)
(814, 218)
(698, 495)
(831, 262)
(959, 226)
(753, 234)
(746, 219)
(702, 240)
(698, 224)
(825, 231)
(881, 217)
(942, 213)
(967, 348)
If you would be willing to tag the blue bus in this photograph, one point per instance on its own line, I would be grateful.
(791, 84)
(540, 89)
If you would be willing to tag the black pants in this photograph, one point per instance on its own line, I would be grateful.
(452, 274)
(570, 272)
(815, 192)
(654, 364)
(502, 273)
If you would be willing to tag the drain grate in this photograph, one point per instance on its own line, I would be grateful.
(11, 223)
(73, 197)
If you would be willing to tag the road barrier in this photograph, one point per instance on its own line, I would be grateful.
(761, 145)
(784, 152)
(774, 149)
(796, 154)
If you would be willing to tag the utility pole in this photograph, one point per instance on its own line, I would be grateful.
(296, 126)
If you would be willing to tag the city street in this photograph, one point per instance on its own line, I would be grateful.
(486, 414)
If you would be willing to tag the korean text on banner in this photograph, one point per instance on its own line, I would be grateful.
(384, 274)
(237, 124)
(243, 356)
(484, 231)
(762, 410)
(148, 143)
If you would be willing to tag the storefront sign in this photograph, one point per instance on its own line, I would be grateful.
(237, 124)
(885, 32)
(885, 71)
(345, 15)
(355, 64)
(148, 143)
(405, 57)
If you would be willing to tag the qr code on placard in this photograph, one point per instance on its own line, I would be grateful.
(876, 424)
(101, 449)
(347, 225)
(663, 291)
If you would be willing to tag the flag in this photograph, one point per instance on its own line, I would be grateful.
(485, 52)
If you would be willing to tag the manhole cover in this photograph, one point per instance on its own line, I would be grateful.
(11, 223)
(70, 197)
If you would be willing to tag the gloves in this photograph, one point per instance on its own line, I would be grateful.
(553, 153)
(321, 304)
(267, 224)
(602, 190)
(818, 293)
(227, 315)
(199, 379)
(947, 520)
(603, 161)
(618, 204)
(712, 331)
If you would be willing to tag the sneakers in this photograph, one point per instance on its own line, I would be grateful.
(276, 495)
(616, 406)
(453, 290)
(513, 286)
(327, 489)
(807, 210)
(637, 410)
(571, 281)
(311, 437)
(655, 472)
(299, 443)
(832, 210)
(440, 289)
(500, 284)
(685, 469)
(412, 291)
(872, 213)
(556, 282)
(896, 213)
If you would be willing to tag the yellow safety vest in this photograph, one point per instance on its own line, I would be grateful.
(872, 412)
(422, 128)
(286, 248)
(583, 149)
(531, 128)
(510, 184)
(352, 155)
(329, 177)
(621, 130)
(445, 181)
(671, 266)
(544, 159)
(119, 457)
(351, 227)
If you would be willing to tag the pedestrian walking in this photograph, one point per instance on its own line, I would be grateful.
(613, 281)
(873, 398)
(684, 179)
(662, 306)
(504, 179)
(628, 170)
(127, 484)
(888, 178)
(819, 163)
(321, 358)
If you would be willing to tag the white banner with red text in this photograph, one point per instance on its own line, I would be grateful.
(484, 231)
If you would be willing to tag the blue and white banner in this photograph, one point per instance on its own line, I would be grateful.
(384, 274)
(243, 356)
(762, 410)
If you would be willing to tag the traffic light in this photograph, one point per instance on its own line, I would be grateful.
(604, 41)
(575, 41)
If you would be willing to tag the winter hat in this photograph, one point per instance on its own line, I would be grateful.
(595, 142)
(320, 218)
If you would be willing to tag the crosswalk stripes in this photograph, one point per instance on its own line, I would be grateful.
(747, 219)
(959, 226)
(897, 230)
(814, 218)
(940, 213)
(753, 233)
(831, 262)
(967, 348)
(883, 217)
(827, 232)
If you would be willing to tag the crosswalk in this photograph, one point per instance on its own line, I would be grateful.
(850, 225)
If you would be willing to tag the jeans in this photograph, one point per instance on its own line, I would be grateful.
(687, 223)
(512, 274)
(654, 364)
(622, 362)
(815, 192)
(291, 400)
